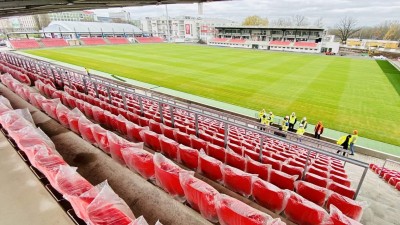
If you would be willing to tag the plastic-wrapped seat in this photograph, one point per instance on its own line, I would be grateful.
(254, 167)
(198, 143)
(167, 176)
(69, 182)
(341, 189)
(292, 170)
(188, 156)
(134, 130)
(210, 167)
(88, 110)
(282, 180)
(62, 115)
(98, 115)
(311, 192)
(49, 106)
(347, 206)
(140, 161)
(340, 180)
(276, 164)
(234, 212)
(155, 126)
(302, 211)
(321, 173)
(101, 138)
(317, 180)
(108, 208)
(235, 160)
(85, 129)
(73, 118)
(237, 180)
(117, 143)
(216, 152)
(200, 195)
(338, 218)
(182, 138)
(151, 139)
(270, 196)
(48, 164)
(168, 132)
(169, 147)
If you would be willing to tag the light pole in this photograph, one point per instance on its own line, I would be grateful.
(168, 33)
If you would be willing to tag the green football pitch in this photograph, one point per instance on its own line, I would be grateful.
(345, 93)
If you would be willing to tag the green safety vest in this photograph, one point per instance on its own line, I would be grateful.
(292, 119)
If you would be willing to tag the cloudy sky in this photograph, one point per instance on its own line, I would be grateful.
(367, 12)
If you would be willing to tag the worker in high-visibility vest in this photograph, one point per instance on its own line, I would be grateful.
(260, 115)
(344, 141)
(353, 140)
(292, 121)
(285, 123)
(304, 122)
(271, 118)
(300, 131)
(264, 121)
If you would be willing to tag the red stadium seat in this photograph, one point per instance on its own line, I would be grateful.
(117, 143)
(340, 180)
(270, 196)
(140, 161)
(182, 138)
(188, 156)
(155, 127)
(73, 118)
(234, 212)
(292, 170)
(134, 130)
(311, 192)
(151, 139)
(169, 147)
(338, 218)
(254, 167)
(347, 206)
(237, 180)
(216, 152)
(235, 160)
(317, 180)
(302, 211)
(198, 143)
(282, 180)
(341, 189)
(54, 42)
(318, 172)
(62, 117)
(100, 135)
(200, 196)
(69, 182)
(85, 129)
(48, 164)
(167, 176)
(276, 164)
(210, 167)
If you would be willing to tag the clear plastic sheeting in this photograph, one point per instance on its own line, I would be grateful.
(108, 208)
(139, 221)
(311, 192)
(5, 102)
(317, 180)
(49, 106)
(338, 218)
(69, 182)
(347, 206)
(234, 212)
(169, 147)
(200, 195)
(237, 180)
(235, 160)
(188, 156)
(167, 176)
(73, 118)
(210, 167)
(101, 138)
(302, 211)
(62, 113)
(254, 167)
(341, 189)
(151, 139)
(140, 161)
(118, 143)
(270, 196)
(282, 180)
(49, 164)
(85, 129)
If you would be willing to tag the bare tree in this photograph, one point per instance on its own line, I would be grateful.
(42, 20)
(346, 27)
(319, 22)
(255, 21)
(300, 21)
(281, 22)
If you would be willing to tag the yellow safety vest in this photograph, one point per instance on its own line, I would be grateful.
(284, 126)
(353, 139)
(260, 114)
(300, 131)
(265, 121)
(341, 140)
(292, 119)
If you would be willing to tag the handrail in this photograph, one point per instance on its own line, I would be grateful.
(93, 80)
(387, 160)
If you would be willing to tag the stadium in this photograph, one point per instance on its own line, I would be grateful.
(106, 123)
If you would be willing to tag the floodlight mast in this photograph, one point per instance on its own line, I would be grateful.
(168, 33)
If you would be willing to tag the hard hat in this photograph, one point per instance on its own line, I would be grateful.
(301, 125)
(270, 113)
(286, 117)
(305, 118)
(293, 113)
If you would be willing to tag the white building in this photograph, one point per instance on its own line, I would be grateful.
(85, 16)
(183, 27)
(19, 24)
(121, 15)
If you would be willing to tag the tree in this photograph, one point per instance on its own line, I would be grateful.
(319, 22)
(299, 21)
(281, 22)
(346, 27)
(394, 31)
(42, 20)
(255, 21)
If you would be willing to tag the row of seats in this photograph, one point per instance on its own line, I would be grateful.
(149, 39)
(118, 40)
(155, 166)
(93, 41)
(390, 176)
(93, 204)
(199, 194)
(24, 43)
(54, 42)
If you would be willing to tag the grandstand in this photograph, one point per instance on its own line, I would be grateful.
(84, 148)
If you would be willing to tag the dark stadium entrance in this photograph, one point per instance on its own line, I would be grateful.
(254, 46)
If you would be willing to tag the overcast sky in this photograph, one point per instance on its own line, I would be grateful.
(367, 12)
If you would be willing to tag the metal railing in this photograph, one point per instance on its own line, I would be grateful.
(384, 164)
(96, 82)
